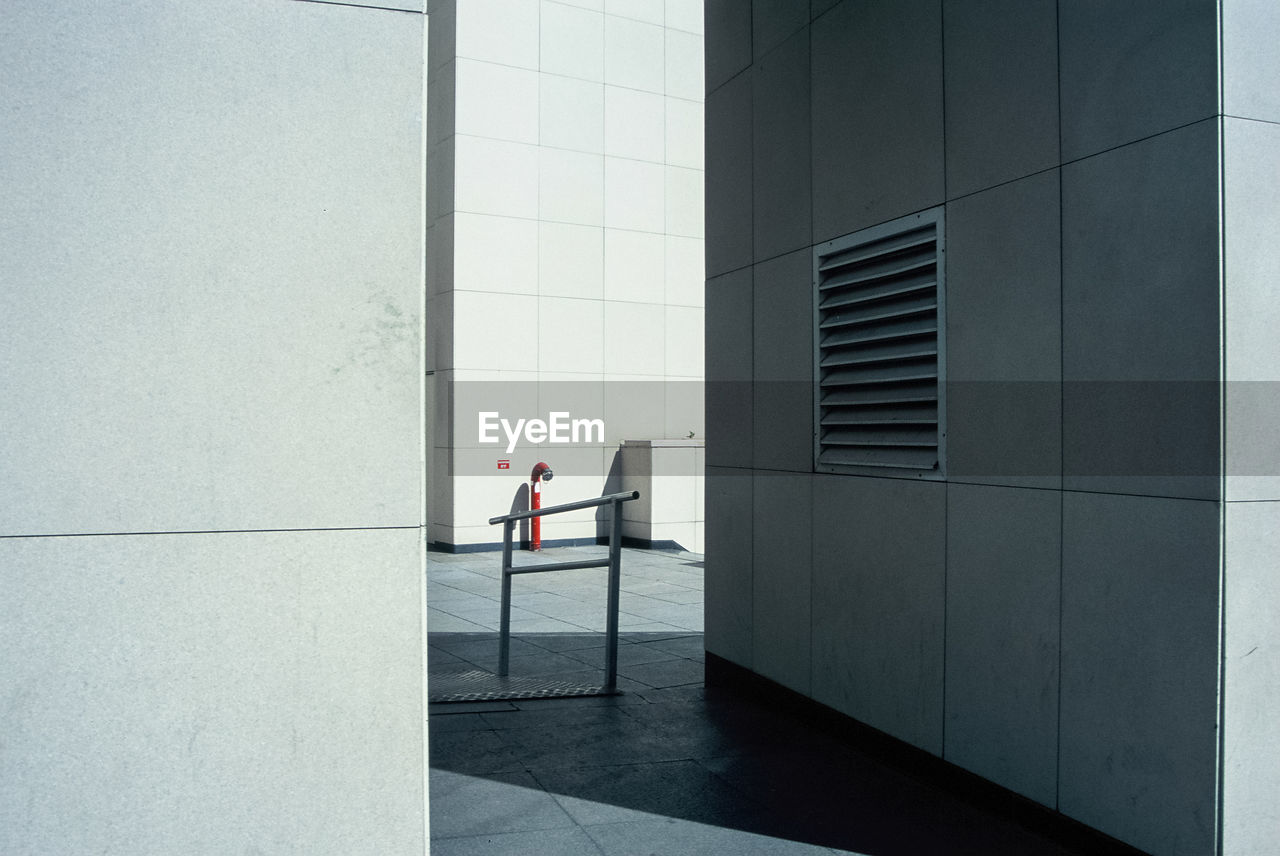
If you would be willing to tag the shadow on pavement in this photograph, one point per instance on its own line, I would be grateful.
(671, 766)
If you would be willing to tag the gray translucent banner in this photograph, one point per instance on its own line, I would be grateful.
(1037, 430)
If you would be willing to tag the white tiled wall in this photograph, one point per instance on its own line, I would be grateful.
(631, 329)
(684, 341)
(684, 135)
(683, 201)
(572, 42)
(633, 124)
(633, 195)
(572, 335)
(570, 260)
(633, 54)
(570, 187)
(685, 260)
(496, 101)
(684, 76)
(571, 114)
(505, 318)
(684, 15)
(573, 154)
(495, 177)
(634, 268)
(497, 254)
(639, 10)
(497, 31)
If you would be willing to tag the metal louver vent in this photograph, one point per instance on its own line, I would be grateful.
(879, 340)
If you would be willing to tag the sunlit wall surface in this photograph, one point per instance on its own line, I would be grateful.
(210, 428)
(565, 264)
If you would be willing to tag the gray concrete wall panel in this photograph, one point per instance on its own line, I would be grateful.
(440, 178)
(728, 177)
(729, 565)
(876, 65)
(878, 567)
(1141, 328)
(1001, 91)
(818, 7)
(728, 40)
(781, 170)
(773, 21)
(442, 33)
(782, 392)
(782, 570)
(1003, 577)
(1139, 669)
(729, 369)
(1004, 355)
(1132, 70)
(1085, 342)
(441, 86)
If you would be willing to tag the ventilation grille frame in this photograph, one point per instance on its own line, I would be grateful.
(879, 342)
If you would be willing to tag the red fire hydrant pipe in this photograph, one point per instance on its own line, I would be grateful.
(541, 473)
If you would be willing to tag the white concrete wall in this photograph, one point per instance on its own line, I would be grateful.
(669, 476)
(210, 429)
(1251, 656)
(566, 241)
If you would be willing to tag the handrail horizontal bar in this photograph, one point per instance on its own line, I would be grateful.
(625, 496)
(557, 566)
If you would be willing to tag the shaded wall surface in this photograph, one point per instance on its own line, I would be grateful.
(565, 261)
(1050, 613)
(210, 429)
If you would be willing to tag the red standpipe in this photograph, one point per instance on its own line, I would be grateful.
(541, 473)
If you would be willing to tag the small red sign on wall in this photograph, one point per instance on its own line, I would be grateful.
(504, 464)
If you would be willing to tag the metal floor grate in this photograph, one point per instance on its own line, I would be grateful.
(444, 687)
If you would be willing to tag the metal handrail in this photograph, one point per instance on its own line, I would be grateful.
(613, 563)
(625, 496)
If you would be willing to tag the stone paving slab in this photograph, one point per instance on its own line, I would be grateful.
(669, 766)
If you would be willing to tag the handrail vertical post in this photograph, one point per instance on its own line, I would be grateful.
(615, 577)
(504, 644)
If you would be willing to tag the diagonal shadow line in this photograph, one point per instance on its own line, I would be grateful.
(720, 757)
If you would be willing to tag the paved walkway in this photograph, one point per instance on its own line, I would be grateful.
(669, 767)
(661, 593)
